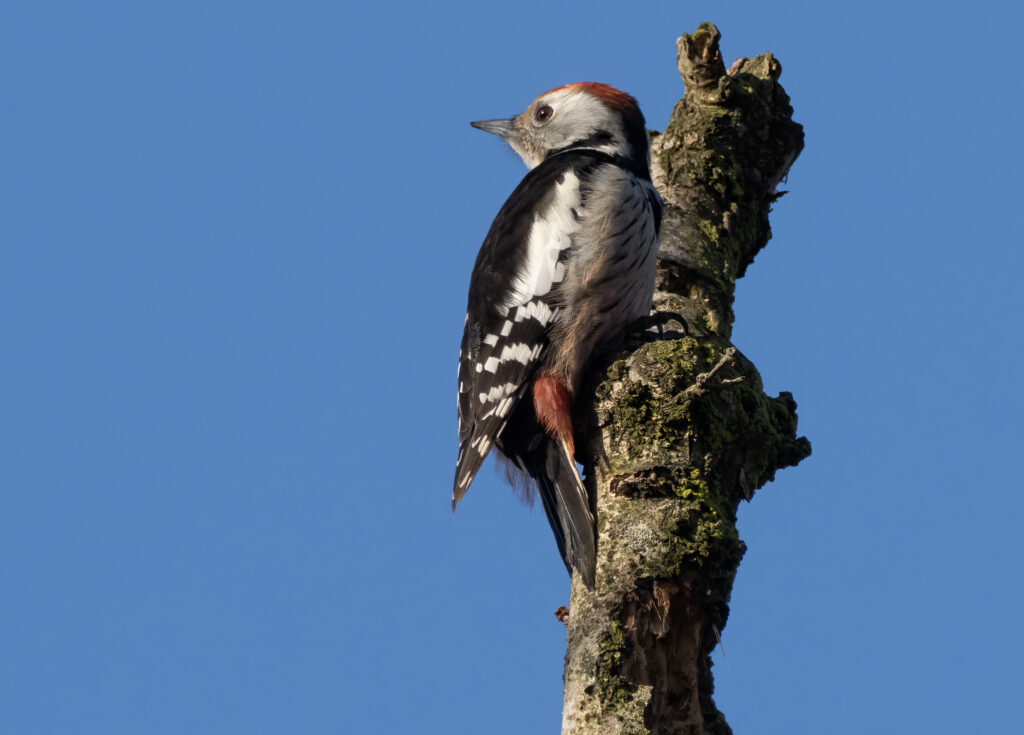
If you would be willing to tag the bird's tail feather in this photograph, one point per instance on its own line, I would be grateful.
(567, 505)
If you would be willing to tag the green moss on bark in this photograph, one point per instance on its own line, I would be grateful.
(613, 689)
(688, 419)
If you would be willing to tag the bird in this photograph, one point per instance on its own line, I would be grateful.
(566, 267)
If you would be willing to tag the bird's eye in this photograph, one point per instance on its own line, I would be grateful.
(543, 113)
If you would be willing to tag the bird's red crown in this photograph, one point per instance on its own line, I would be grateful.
(614, 98)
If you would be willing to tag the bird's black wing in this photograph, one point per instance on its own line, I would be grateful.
(513, 303)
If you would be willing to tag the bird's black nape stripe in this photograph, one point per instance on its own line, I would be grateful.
(637, 164)
(602, 137)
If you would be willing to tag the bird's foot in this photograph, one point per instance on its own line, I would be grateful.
(660, 325)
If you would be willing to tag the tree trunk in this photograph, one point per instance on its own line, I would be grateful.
(679, 431)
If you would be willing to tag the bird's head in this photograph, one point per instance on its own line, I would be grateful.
(585, 115)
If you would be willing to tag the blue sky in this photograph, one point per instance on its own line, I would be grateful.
(236, 240)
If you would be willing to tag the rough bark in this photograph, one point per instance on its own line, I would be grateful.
(679, 430)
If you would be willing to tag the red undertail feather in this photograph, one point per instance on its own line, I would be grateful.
(553, 404)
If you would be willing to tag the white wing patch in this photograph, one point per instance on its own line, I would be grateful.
(550, 234)
(536, 310)
(520, 352)
(498, 392)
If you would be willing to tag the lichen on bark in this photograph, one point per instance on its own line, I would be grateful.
(679, 430)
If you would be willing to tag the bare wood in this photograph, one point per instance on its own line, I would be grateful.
(680, 429)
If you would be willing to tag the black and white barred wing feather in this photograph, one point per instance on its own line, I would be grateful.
(513, 303)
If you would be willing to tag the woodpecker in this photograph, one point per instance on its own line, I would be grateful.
(569, 262)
